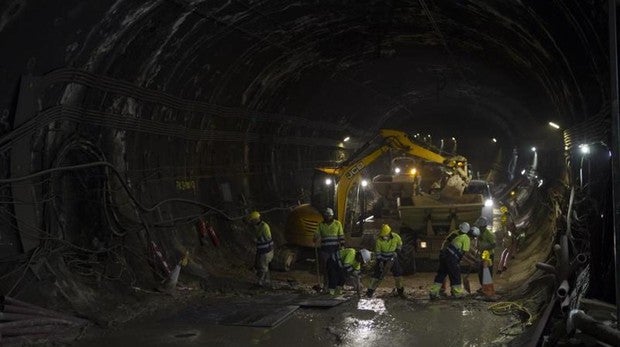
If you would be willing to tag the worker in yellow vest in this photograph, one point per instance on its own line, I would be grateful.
(387, 247)
(449, 259)
(329, 236)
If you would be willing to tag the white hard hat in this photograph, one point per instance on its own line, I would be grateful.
(464, 227)
(328, 212)
(482, 222)
(365, 255)
(475, 231)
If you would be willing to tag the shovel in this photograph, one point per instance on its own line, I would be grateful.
(317, 286)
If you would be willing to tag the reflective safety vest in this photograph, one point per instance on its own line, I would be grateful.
(487, 241)
(459, 246)
(264, 243)
(331, 235)
(386, 249)
(448, 240)
(347, 258)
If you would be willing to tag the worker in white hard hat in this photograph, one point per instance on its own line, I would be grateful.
(346, 269)
(486, 242)
(387, 247)
(449, 259)
(264, 247)
(329, 236)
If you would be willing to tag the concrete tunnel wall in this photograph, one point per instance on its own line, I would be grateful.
(267, 90)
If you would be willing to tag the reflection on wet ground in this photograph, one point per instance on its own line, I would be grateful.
(386, 321)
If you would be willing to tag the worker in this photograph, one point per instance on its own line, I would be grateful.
(387, 247)
(264, 247)
(345, 268)
(449, 259)
(486, 242)
(329, 236)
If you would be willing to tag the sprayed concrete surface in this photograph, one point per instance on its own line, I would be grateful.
(381, 321)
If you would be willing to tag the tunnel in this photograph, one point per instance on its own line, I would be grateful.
(140, 140)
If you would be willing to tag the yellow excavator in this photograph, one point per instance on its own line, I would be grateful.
(332, 187)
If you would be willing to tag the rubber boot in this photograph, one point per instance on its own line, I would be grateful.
(458, 292)
(374, 283)
(398, 281)
(369, 293)
(433, 293)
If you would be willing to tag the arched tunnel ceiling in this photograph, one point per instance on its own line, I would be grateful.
(256, 93)
(506, 67)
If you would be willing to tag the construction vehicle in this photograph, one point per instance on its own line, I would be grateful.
(414, 210)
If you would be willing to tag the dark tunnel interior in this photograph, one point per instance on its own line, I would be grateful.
(137, 135)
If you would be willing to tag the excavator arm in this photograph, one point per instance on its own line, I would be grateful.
(348, 174)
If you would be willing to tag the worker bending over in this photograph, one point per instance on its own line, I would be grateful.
(264, 247)
(346, 268)
(386, 247)
(329, 236)
(449, 259)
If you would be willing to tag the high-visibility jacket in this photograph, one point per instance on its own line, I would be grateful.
(347, 258)
(487, 241)
(459, 246)
(264, 243)
(386, 249)
(446, 242)
(331, 235)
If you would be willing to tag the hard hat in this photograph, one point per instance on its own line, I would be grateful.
(328, 212)
(254, 215)
(464, 227)
(385, 230)
(365, 255)
(475, 231)
(482, 222)
(503, 209)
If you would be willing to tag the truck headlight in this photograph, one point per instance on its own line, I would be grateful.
(488, 202)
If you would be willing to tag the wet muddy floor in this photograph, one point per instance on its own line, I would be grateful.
(382, 321)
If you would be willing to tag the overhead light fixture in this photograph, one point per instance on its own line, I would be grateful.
(453, 139)
(346, 139)
(364, 183)
(494, 140)
(523, 172)
(328, 181)
(423, 244)
(585, 149)
(554, 125)
(533, 149)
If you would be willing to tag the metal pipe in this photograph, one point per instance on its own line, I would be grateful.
(563, 289)
(579, 320)
(548, 269)
(565, 305)
(579, 261)
(615, 143)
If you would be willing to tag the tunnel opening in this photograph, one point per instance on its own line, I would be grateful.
(206, 111)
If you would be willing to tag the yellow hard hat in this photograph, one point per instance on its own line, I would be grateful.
(503, 209)
(385, 230)
(254, 215)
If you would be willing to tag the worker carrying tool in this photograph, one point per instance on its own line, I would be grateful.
(346, 267)
(387, 247)
(264, 247)
(329, 236)
(486, 242)
(449, 259)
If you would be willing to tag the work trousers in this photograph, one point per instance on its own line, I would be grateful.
(336, 275)
(396, 269)
(262, 267)
(324, 256)
(448, 266)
